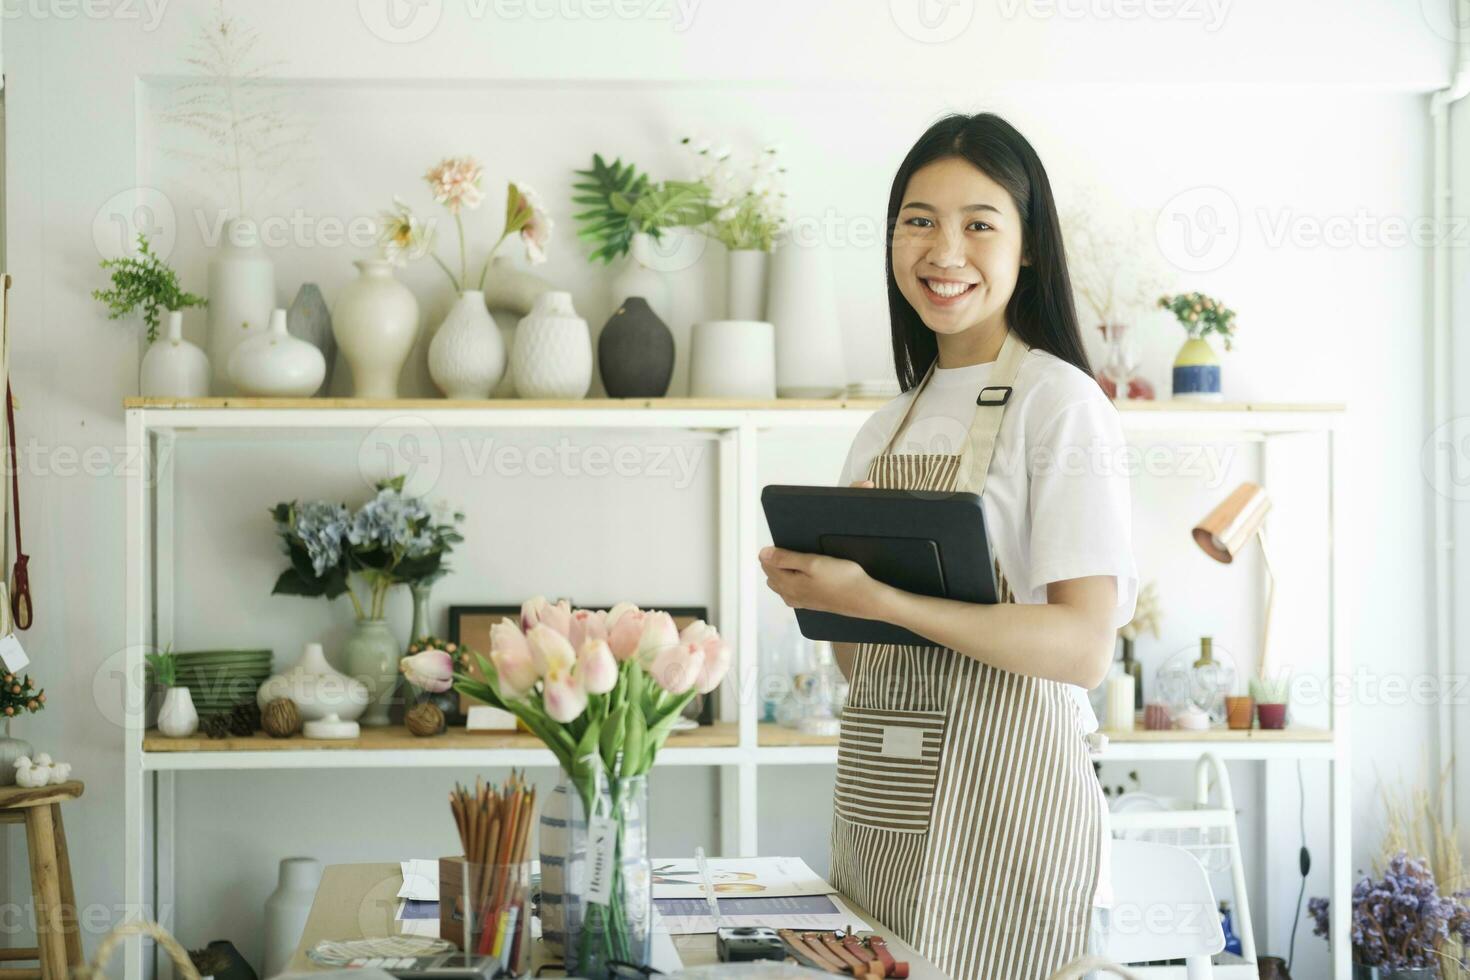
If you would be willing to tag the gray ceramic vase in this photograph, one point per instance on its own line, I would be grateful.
(635, 352)
(309, 319)
(10, 750)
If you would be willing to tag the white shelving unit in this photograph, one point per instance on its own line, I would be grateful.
(738, 748)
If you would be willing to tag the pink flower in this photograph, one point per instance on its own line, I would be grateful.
(716, 654)
(511, 655)
(534, 223)
(624, 629)
(659, 632)
(564, 697)
(586, 624)
(455, 183)
(550, 651)
(538, 610)
(431, 670)
(596, 669)
(675, 668)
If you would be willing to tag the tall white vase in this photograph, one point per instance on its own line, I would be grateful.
(241, 292)
(173, 367)
(746, 286)
(802, 304)
(552, 357)
(286, 911)
(375, 321)
(467, 354)
(642, 276)
(278, 365)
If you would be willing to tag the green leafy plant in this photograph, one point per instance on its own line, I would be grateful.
(1200, 315)
(144, 282)
(1271, 690)
(164, 667)
(622, 201)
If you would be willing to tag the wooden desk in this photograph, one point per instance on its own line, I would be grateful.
(358, 900)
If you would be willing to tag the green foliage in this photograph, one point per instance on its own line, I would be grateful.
(1200, 315)
(164, 667)
(146, 283)
(17, 694)
(621, 201)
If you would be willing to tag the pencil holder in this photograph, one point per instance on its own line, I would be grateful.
(485, 910)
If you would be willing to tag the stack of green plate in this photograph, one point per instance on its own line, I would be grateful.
(220, 679)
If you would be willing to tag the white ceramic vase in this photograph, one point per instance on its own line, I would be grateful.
(642, 276)
(318, 690)
(277, 365)
(375, 321)
(802, 306)
(552, 357)
(467, 354)
(242, 293)
(510, 292)
(286, 911)
(173, 367)
(733, 359)
(177, 717)
(746, 284)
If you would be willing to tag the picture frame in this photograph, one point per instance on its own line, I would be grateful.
(469, 626)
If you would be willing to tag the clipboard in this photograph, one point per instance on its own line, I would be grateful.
(927, 542)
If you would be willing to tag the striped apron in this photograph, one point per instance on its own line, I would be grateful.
(967, 814)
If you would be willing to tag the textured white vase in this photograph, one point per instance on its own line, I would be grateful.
(802, 305)
(733, 359)
(510, 292)
(375, 321)
(467, 354)
(746, 284)
(286, 911)
(177, 718)
(241, 292)
(173, 367)
(318, 690)
(641, 276)
(277, 365)
(552, 357)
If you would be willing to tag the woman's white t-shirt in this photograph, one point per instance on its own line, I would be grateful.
(1056, 499)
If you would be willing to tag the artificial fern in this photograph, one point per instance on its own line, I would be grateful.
(623, 201)
(147, 283)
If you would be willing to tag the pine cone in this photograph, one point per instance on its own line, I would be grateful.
(215, 726)
(280, 719)
(244, 718)
(424, 719)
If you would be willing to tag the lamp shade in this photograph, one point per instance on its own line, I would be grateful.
(1232, 524)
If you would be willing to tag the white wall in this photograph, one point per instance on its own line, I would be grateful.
(1305, 112)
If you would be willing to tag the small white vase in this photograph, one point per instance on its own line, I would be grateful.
(733, 359)
(173, 367)
(552, 357)
(641, 276)
(375, 321)
(177, 718)
(467, 354)
(510, 292)
(277, 365)
(286, 911)
(242, 293)
(317, 690)
(746, 286)
(802, 306)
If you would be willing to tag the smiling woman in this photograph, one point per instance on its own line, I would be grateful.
(967, 816)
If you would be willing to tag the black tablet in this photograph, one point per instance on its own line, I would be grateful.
(922, 541)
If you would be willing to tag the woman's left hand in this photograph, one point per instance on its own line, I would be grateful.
(820, 582)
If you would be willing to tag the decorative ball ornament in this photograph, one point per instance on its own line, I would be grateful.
(280, 719)
(425, 719)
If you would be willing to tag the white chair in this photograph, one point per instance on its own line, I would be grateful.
(1163, 908)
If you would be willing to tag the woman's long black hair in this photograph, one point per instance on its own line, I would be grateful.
(1040, 311)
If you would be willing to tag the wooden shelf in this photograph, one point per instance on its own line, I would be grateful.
(779, 736)
(396, 737)
(1212, 735)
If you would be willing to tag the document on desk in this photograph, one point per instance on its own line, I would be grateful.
(690, 916)
(420, 880)
(765, 877)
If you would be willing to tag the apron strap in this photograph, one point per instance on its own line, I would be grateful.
(897, 427)
(974, 465)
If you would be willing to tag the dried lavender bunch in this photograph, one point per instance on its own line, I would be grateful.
(1401, 921)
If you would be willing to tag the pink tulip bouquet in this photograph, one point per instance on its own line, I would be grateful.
(602, 689)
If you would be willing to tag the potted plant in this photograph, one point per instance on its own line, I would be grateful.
(177, 717)
(467, 355)
(1197, 366)
(172, 367)
(393, 539)
(601, 689)
(17, 696)
(1402, 927)
(626, 212)
(1271, 695)
(748, 213)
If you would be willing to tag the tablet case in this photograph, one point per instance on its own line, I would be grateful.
(924, 541)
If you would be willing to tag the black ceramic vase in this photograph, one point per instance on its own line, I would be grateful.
(635, 352)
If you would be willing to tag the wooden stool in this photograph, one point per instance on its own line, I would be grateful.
(58, 933)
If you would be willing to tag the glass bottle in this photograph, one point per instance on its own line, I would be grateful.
(1210, 681)
(1135, 670)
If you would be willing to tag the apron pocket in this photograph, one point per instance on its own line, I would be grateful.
(887, 767)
